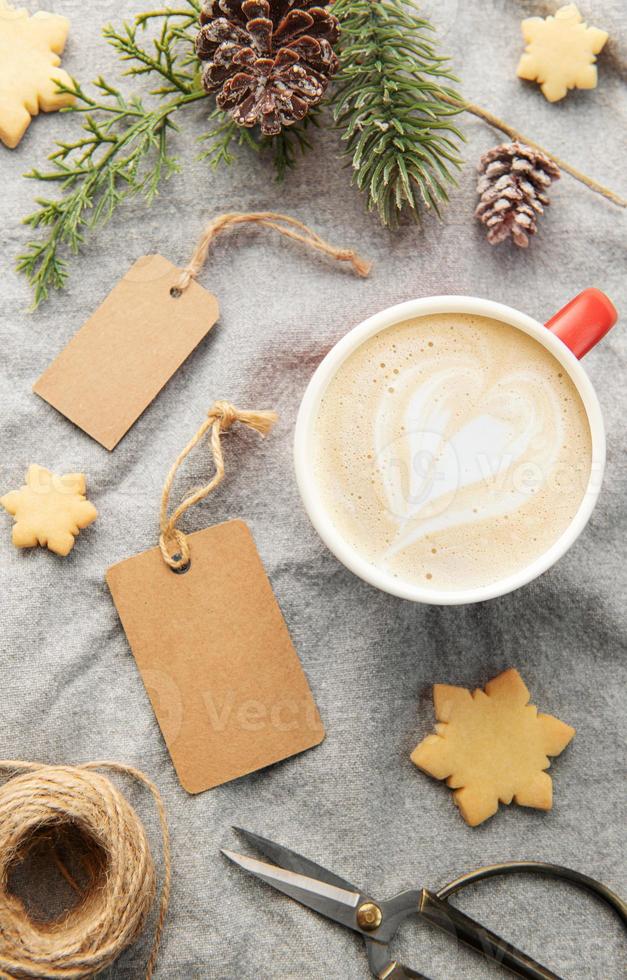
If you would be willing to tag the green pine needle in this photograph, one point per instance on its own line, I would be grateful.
(401, 142)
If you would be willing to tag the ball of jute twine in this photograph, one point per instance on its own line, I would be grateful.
(115, 858)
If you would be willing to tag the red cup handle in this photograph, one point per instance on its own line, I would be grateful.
(584, 321)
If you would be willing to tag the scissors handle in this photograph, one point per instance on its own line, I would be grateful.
(462, 927)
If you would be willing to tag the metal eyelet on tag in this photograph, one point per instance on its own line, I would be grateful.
(184, 568)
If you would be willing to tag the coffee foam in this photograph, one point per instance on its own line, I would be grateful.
(451, 450)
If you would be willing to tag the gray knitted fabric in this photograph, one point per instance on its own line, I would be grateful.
(71, 691)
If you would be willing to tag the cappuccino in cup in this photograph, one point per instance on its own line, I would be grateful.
(451, 450)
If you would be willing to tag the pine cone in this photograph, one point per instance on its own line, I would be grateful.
(269, 61)
(513, 184)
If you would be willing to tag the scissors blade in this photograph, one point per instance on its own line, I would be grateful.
(334, 902)
(292, 861)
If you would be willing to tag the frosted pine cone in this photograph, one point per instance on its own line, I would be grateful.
(268, 61)
(512, 186)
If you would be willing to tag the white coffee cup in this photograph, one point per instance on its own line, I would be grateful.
(568, 336)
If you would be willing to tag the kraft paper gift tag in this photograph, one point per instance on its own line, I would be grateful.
(150, 322)
(128, 350)
(210, 641)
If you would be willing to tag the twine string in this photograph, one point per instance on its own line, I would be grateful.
(281, 223)
(220, 417)
(113, 909)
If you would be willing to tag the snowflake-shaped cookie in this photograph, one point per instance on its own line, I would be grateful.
(492, 746)
(49, 510)
(560, 52)
(29, 72)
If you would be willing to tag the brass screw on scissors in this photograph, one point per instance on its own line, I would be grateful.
(369, 916)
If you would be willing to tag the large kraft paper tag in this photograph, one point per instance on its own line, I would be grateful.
(129, 348)
(216, 658)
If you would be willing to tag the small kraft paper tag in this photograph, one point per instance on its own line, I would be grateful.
(216, 658)
(147, 326)
(126, 352)
(209, 638)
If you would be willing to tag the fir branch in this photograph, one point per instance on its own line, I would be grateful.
(124, 154)
(222, 137)
(285, 149)
(171, 53)
(161, 61)
(292, 143)
(123, 149)
(390, 105)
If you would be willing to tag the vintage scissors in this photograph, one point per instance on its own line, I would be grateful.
(377, 922)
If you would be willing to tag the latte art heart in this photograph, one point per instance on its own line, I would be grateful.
(452, 450)
(457, 460)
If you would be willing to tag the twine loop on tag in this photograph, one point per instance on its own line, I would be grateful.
(80, 820)
(281, 223)
(220, 417)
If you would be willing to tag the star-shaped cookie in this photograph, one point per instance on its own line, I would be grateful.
(29, 72)
(492, 746)
(49, 510)
(560, 52)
